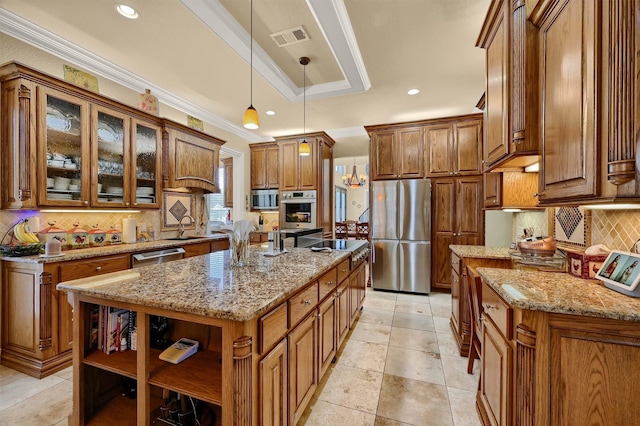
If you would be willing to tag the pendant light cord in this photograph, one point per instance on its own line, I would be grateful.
(251, 52)
(304, 99)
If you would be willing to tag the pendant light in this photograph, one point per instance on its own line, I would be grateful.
(251, 120)
(304, 149)
(352, 180)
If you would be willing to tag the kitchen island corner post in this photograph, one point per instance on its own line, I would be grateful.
(76, 418)
(242, 381)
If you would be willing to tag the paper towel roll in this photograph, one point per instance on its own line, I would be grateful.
(128, 230)
(34, 224)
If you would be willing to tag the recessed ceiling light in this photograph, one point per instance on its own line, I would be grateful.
(270, 113)
(127, 11)
(413, 92)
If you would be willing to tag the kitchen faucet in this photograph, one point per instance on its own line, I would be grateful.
(181, 225)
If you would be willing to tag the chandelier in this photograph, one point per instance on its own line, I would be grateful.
(353, 180)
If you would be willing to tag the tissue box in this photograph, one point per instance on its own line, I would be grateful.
(583, 265)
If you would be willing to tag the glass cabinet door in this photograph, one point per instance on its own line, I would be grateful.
(111, 164)
(65, 151)
(146, 164)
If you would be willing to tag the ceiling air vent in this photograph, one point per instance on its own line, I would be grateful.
(290, 36)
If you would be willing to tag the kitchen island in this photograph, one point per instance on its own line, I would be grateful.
(266, 332)
(557, 349)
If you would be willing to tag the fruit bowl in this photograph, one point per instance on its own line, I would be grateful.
(21, 249)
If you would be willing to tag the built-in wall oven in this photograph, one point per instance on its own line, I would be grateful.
(298, 209)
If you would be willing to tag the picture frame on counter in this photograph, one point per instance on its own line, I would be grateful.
(621, 272)
(177, 205)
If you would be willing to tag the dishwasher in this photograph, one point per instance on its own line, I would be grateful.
(158, 325)
(156, 256)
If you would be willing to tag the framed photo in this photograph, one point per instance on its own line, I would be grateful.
(177, 205)
(621, 272)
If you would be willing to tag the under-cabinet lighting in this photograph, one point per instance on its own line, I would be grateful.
(87, 211)
(612, 207)
(127, 11)
(511, 210)
(535, 167)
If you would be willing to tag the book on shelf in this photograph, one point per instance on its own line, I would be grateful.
(111, 329)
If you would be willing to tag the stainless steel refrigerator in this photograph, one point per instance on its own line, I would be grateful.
(400, 229)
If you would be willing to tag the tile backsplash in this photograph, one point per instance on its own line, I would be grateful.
(617, 229)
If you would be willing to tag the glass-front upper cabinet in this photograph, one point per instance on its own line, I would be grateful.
(146, 149)
(64, 127)
(111, 164)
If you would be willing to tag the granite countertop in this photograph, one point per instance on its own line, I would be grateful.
(560, 293)
(481, 252)
(207, 285)
(90, 252)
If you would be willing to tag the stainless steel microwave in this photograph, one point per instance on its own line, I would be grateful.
(264, 199)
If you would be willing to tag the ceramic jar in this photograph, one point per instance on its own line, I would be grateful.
(148, 103)
(97, 237)
(77, 237)
(114, 236)
(52, 232)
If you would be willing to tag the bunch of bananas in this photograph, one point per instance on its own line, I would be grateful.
(24, 235)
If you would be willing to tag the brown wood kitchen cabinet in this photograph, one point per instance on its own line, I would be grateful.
(589, 134)
(97, 152)
(265, 166)
(510, 189)
(457, 218)
(511, 97)
(453, 146)
(190, 158)
(544, 368)
(397, 151)
(314, 171)
(36, 318)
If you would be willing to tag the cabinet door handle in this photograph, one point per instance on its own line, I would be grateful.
(126, 204)
(305, 302)
(488, 307)
(344, 270)
(329, 283)
(86, 203)
(98, 268)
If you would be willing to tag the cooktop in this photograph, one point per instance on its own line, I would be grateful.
(346, 245)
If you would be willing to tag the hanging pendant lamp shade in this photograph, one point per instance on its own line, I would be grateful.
(304, 149)
(251, 120)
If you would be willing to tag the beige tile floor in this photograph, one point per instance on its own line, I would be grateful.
(399, 366)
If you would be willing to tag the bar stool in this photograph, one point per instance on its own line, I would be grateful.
(474, 292)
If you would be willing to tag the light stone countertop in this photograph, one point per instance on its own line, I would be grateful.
(481, 252)
(207, 285)
(560, 293)
(86, 253)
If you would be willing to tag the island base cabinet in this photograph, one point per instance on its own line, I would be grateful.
(344, 314)
(327, 339)
(273, 387)
(303, 366)
(493, 399)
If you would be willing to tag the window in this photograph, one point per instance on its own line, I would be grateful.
(341, 204)
(217, 211)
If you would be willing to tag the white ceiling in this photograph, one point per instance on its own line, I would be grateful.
(194, 55)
